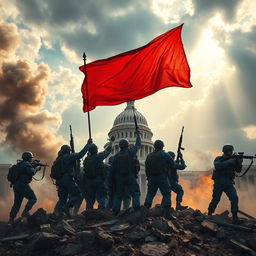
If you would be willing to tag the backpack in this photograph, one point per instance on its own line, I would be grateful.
(90, 167)
(155, 164)
(124, 163)
(57, 169)
(14, 173)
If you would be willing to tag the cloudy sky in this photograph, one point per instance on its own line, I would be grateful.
(41, 47)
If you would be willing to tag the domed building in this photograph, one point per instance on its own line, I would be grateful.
(124, 127)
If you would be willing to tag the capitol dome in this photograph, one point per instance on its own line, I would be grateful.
(127, 116)
(124, 128)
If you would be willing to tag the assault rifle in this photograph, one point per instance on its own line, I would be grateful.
(37, 163)
(179, 154)
(72, 145)
(240, 156)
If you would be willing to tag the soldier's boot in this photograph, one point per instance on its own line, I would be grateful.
(209, 213)
(180, 207)
(11, 221)
(235, 219)
(25, 214)
(67, 210)
(147, 205)
(116, 212)
(167, 213)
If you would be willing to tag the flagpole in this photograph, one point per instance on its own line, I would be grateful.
(87, 94)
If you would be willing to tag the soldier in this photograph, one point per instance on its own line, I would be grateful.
(126, 198)
(67, 188)
(124, 175)
(21, 186)
(174, 180)
(96, 175)
(157, 165)
(223, 176)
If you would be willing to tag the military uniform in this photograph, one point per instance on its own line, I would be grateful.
(68, 191)
(174, 181)
(22, 189)
(96, 178)
(223, 177)
(157, 165)
(124, 175)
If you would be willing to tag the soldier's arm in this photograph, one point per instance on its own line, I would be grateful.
(146, 166)
(81, 154)
(239, 166)
(29, 170)
(103, 155)
(170, 162)
(219, 164)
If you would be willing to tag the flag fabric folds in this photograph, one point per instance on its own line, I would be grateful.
(137, 73)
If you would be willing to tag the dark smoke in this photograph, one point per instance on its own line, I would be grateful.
(23, 87)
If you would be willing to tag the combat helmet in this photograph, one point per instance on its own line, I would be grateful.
(93, 149)
(123, 143)
(65, 149)
(227, 148)
(158, 144)
(27, 155)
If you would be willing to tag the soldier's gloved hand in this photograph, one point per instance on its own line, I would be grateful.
(137, 132)
(89, 141)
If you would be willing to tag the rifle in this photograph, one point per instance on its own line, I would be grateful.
(72, 145)
(179, 154)
(37, 163)
(135, 121)
(240, 156)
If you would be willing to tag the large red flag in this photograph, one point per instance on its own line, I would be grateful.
(137, 73)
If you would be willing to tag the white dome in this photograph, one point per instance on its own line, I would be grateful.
(127, 116)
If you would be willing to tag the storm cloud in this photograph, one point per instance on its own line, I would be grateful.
(23, 88)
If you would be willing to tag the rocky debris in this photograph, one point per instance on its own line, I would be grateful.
(38, 218)
(70, 249)
(14, 238)
(42, 241)
(105, 240)
(46, 228)
(210, 226)
(86, 238)
(241, 247)
(132, 233)
(63, 227)
(154, 249)
(94, 214)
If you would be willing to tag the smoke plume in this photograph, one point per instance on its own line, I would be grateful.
(24, 126)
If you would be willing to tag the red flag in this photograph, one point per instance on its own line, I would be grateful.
(137, 73)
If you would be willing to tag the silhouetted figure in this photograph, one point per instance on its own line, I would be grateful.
(223, 175)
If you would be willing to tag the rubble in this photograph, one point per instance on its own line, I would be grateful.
(132, 233)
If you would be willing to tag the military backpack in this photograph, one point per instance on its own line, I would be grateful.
(124, 163)
(57, 169)
(155, 164)
(90, 167)
(14, 173)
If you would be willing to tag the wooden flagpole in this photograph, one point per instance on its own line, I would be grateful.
(87, 94)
